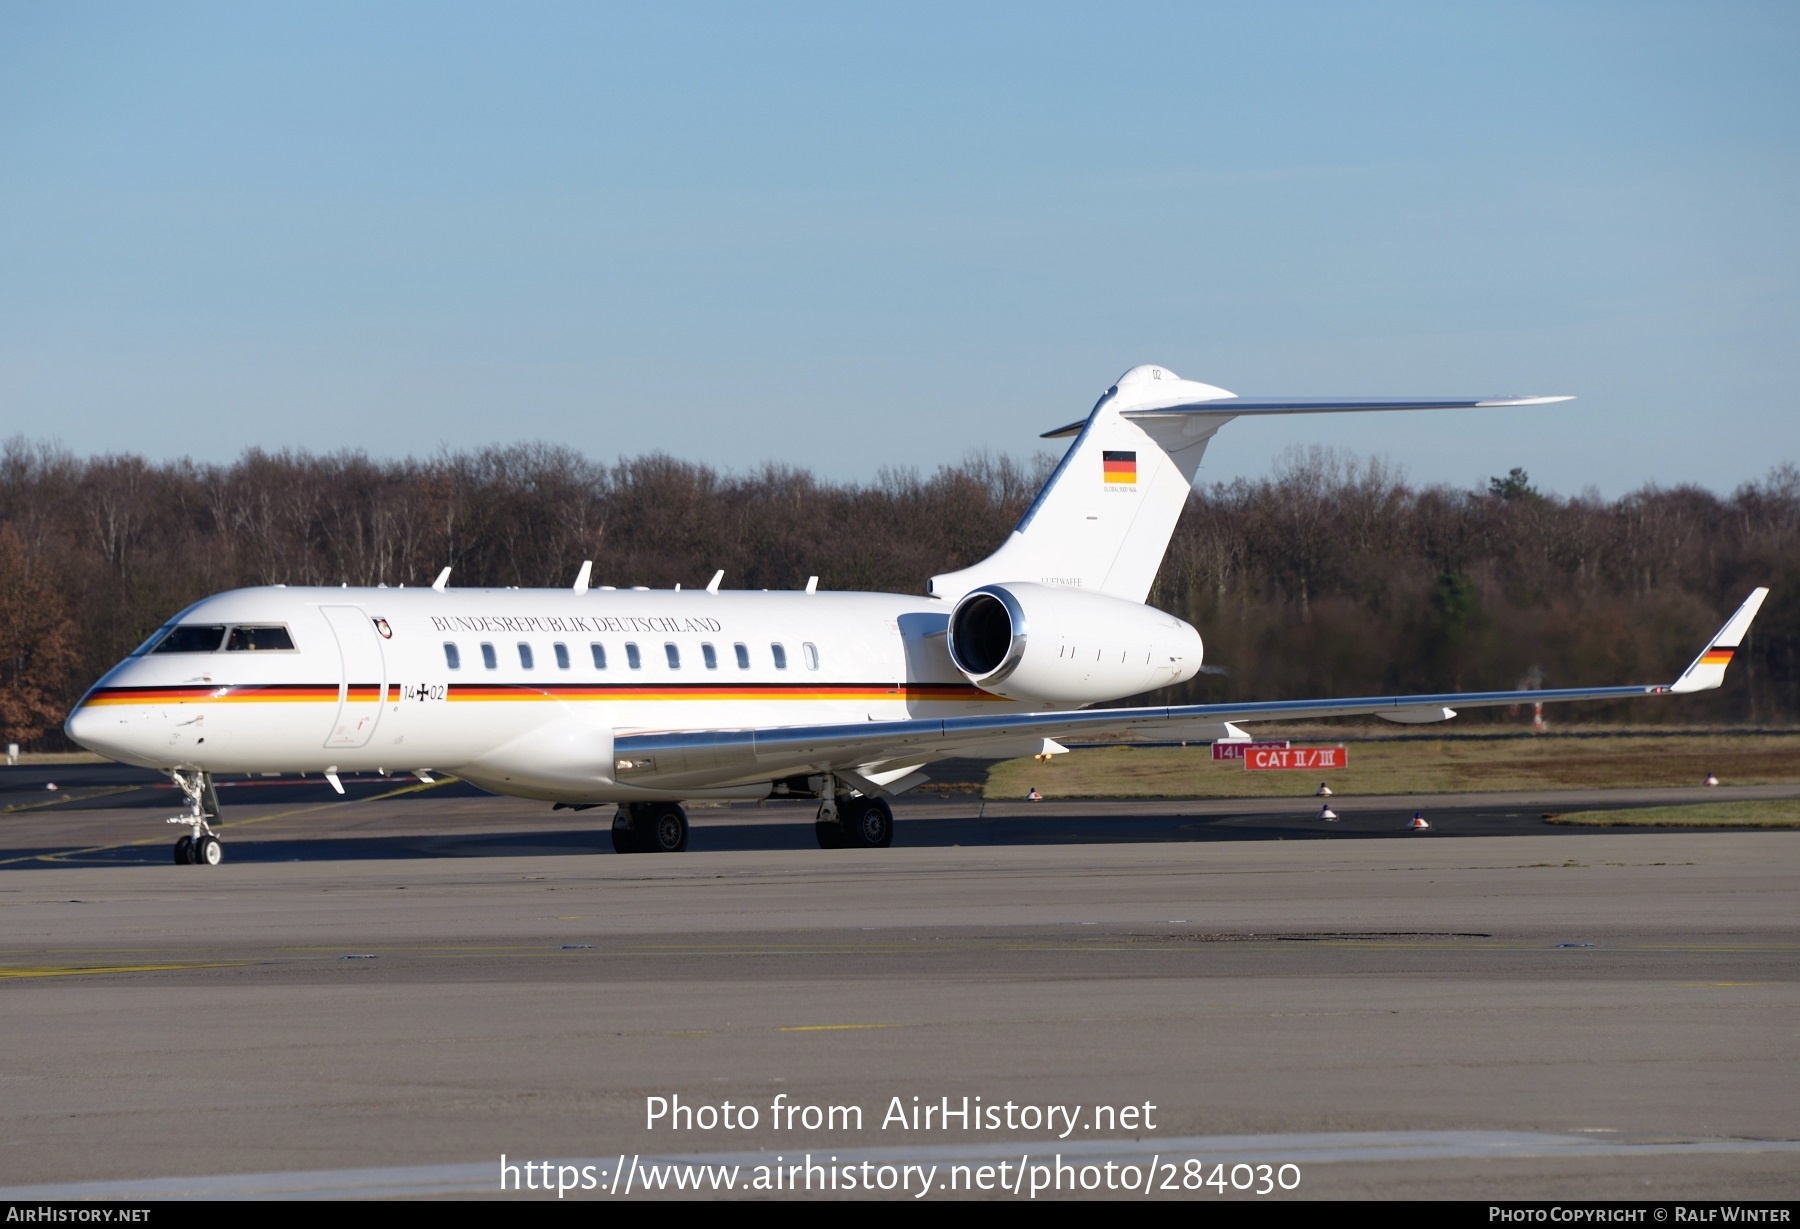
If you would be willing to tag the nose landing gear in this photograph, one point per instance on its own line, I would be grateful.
(201, 847)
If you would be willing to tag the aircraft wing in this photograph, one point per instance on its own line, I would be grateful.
(720, 756)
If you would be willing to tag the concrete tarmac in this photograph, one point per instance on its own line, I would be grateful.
(381, 996)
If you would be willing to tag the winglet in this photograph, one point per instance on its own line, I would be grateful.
(1708, 669)
(442, 580)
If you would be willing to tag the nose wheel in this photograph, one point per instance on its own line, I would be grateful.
(201, 847)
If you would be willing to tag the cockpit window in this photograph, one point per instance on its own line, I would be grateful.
(247, 639)
(151, 641)
(192, 638)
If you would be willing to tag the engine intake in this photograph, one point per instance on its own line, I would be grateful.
(987, 634)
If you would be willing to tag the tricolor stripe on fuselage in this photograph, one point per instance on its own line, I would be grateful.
(289, 693)
(236, 693)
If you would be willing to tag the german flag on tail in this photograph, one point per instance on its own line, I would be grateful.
(1119, 468)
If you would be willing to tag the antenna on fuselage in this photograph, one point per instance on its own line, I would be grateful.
(442, 580)
(587, 572)
(812, 584)
(712, 586)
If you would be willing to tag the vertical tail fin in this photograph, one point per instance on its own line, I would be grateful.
(1104, 518)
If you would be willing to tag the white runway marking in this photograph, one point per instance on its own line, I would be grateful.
(483, 1177)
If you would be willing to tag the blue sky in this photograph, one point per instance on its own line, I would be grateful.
(847, 237)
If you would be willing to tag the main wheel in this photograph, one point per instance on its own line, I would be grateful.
(208, 851)
(624, 836)
(662, 828)
(868, 823)
(184, 851)
(830, 834)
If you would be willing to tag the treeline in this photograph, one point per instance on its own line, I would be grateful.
(1330, 577)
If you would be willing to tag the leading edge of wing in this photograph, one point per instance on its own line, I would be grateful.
(783, 747)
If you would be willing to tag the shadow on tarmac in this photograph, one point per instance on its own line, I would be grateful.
(1097, 829)
(28, 808)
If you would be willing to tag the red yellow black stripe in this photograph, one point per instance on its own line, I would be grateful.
(256, 693)
(1716, 656)
(371, 693)
(711, 692)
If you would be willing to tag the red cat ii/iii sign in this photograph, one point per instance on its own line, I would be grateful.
(1275, 759)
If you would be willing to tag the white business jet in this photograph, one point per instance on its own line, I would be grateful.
(644, 699)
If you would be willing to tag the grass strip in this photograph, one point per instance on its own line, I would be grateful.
(1783, 813)
(1440, 766)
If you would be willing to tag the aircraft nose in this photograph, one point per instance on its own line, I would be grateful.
(83, 727)
(103, 732)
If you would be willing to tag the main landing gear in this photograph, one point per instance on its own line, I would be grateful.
(201, 847)
(852, 821)
(846, 820)
(650, 827)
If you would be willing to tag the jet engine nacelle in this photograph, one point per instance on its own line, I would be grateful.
(1054, 646)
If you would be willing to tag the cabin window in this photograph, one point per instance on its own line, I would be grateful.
(452, 656)
(192, 638)
(811, 651)
(251, 639)
(780, 656)
(743, 656)
(599, 651)
(710, 657)
(488, 657)
(562, 656)
(674, 655)
(632, 658)
(525, 662)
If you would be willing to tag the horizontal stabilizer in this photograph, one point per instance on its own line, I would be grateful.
(1236, 406)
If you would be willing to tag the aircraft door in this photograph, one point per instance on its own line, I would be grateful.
(364, 676)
